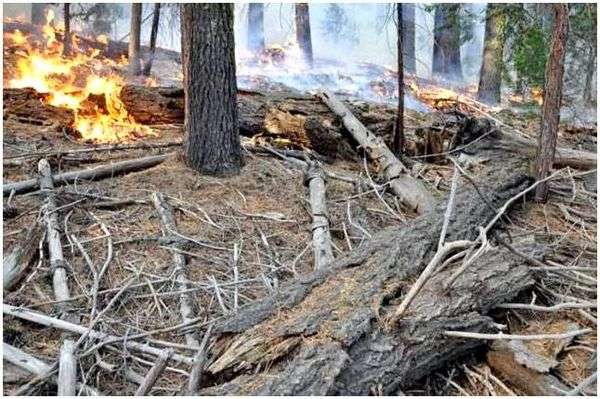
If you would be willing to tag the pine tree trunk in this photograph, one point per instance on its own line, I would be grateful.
(67, 35)
(256, 29)
(490, 77)
(552, 99)
(589, 76)
(303, 36)
(153, 35)
(212, 142)
(446, 45)
(135, 67)
(38, 14)
(408, 37)
(398, 147)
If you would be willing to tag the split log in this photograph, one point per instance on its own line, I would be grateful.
(320, 225)
(17, 262)
(325, 335)
(153, 374)
(411, 191)
(95, 173)
(37, 367)
(48, 321)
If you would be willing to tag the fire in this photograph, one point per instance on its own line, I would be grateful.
(82, 82)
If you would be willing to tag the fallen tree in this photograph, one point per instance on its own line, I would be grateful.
(326, 333)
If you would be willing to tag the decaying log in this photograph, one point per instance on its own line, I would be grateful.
(324, 334)
(16, 263)
(67, 370)
(37, 367)
(411, 191)
(320, 224)
(96, 173)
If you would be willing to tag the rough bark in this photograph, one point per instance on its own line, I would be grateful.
(38, 13)
(411, 192)
(552, 99)
(212, 143)
(398, 145)
(446, 42)
(303, 36)
(153, 36)
(408, 37)
(490, 77)
(135, 66)
(67, 35)
(256, 29)
(324, 334)
(20, 258)
(320, 225)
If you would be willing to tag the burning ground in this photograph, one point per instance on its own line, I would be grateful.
(245, 237)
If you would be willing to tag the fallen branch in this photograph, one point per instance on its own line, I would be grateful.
(17, 262)
(533, 337)
(320, 225)
(154, 373)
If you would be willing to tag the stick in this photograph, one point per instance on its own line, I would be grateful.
(466, 334)
(154, 373)
(411, 191)
(320, 225)
(554, 308)
(67, 370)
(96, 173)
(199, 365)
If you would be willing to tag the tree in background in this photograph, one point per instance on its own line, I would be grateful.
(398, 147)
(153, 36)
(256, 27)
(446, 42)
(582, 49)
(552, 99)
(337, 26)
(38, 13)
(303, 36)
(212, 142)
(408, 39)
(67, 35)
(135, 67)
(490, 77)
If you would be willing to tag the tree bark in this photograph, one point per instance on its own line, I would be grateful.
(446, 42)
(408, 38)
(552, 99)
(67, 35)
(256, 29)
(303, 36)
(490, 77)
(38, 14)
(135, 66)
(153, 36)
(398, 147)
(212, 143)
(325, 335)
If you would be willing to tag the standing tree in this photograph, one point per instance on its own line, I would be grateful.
(153, 35)
(38, 13)
(408, 40)
(490, 77)
(256, 28)
(303, 32)
(446, 41)
(398, 146)
(67, 35)
(212, 142)
(135, 67)
(552, 99)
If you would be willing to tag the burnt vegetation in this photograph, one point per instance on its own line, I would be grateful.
(282, 218)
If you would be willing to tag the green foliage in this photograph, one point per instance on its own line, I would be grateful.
(531, 50)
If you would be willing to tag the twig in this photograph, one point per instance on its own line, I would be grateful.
(466, 334)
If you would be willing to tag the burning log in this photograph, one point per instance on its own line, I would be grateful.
(324, 334)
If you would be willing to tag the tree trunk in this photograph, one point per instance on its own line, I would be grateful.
(135, 66)
(588, 98)
(325, 334)
(212, 143)
(446, 42)
(552, 99)
(153, 35)
(303, 36)
(67, 35)
(490, 77)
(398, 147)
(38, 14)
(408, 37)
(256, 29)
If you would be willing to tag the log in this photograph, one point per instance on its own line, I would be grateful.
(411, 191)
(96, 173)
(325, 334)
(67, 369)
(320, 217)
(20, 258)
(37, 367)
